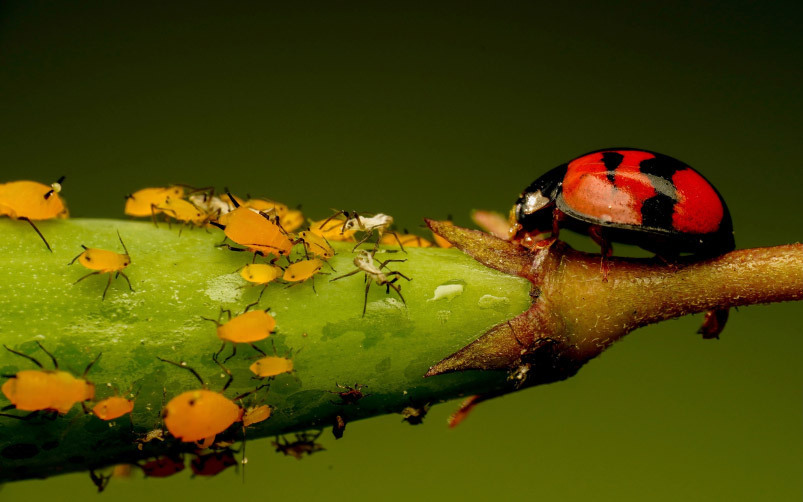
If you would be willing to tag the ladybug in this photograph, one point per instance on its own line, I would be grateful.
(631, 196)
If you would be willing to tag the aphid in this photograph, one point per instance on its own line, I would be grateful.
(201, 414)
(114, 407)
(104, 262)
(46, 390)
(339, 427)
(164, 466)
(31, 201)
(213, 206)
(304, 443)
(248, 327)
(303, 270)
(378, 223)
(414, 415)
(184, 211)
(292, 220)
(633, 196)
(365, 262)
(146, 202)
(271, 366)
(261, 274)
(257, 232)
(152, 435)
(331, 229)
(316, 244)
(351, 395)
(213, 463)
(256, 414)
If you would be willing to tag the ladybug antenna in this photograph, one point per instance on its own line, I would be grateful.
(26, 356)
(52, 358)
(183, 365)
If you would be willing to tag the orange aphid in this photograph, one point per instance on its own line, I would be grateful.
(201, 414)
(198, 414)
(104, 262)
(183, 211)
(32, 201)
(47, 390)
(146, 202)
(302, 270)
(316, 244)
(256, 414)
(332, 229)
(271, 366)
(113, 407)
(247, 328)
(256, 232)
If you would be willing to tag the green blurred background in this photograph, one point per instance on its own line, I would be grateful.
(431, 109)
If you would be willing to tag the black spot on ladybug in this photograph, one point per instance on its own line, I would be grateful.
(612, 160)
(20, 451)
(656, 212)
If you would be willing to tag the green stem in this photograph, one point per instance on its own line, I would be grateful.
(179, 279)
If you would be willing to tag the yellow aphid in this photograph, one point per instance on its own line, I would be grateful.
(256, 414)
(405, 240)
(259, 273)
(302, 270)
(332, 229)
(31, 201)
(146, 202)
(113, 407)
(271, 366)
(292, 220)
(316, 244)
(256, 232)
(199, 414)
(183, 211)
(102, 261)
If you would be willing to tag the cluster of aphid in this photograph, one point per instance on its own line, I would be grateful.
(265, 228)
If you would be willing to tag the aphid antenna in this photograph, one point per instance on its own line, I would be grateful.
(79, 255)
(252, 391)
(26, 356)
(52, 357)
(25, 218)
(88, 366)
(183, 365)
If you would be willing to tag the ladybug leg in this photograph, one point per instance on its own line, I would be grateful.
(714, 323)
(596, 233)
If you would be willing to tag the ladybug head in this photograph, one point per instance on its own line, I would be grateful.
(529, 209)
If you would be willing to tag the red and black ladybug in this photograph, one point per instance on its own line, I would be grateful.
(632, 196)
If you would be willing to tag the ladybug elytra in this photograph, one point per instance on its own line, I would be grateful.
(631, 196)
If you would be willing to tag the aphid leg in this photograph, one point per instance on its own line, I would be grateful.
(106, 289)
(38, 232)
(365, 300)
(252, 391)
(225, 370)
(126, 280)
(87, 275)
(313, 285)
(233, 352)
(260, 350)
(26, 356)
(361, 241)
(23, 417)
(51, 356)
(597, 235)
(220, 351)
(183, 365)
(396, 272)
(401, 246)
(397, 289)
(153, 214)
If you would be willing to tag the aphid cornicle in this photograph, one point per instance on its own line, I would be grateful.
(32, 201)
(101, 261)
(632, 196)
(46, 390)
